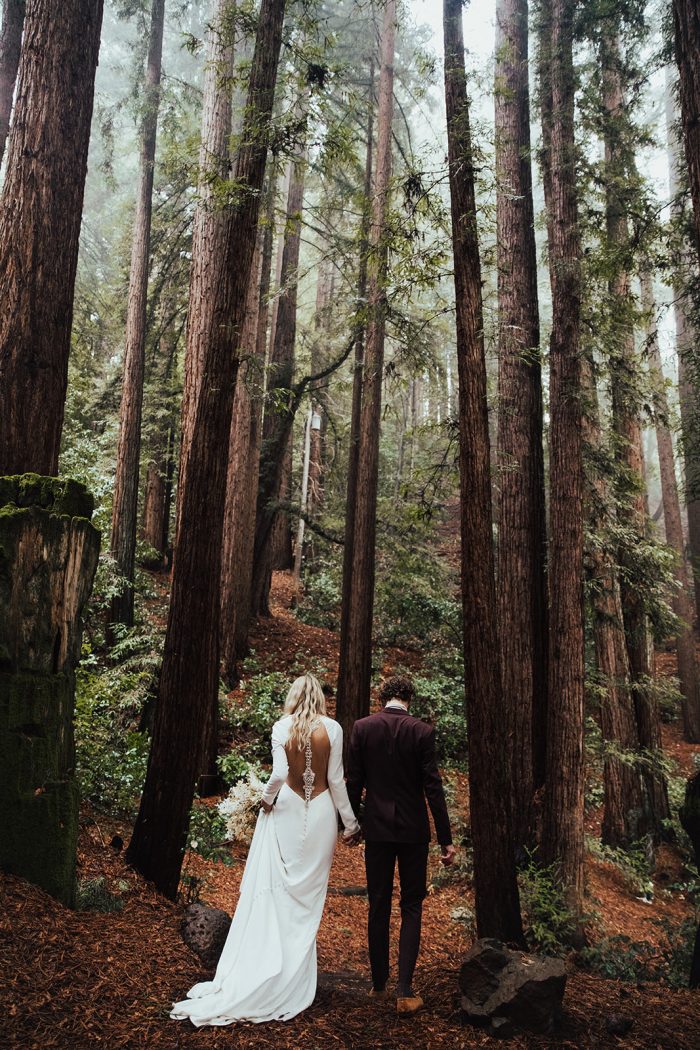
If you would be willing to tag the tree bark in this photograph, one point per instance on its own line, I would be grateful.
(242, 479)
(355, 668)
(356, 406)
(496, 889)
(686, 24)
(626, 401)
(49, 556)
(681, 601)
(126, 482)
(562, 824)
(10, 46)
(190, 674)
(40, 211)
(210, 219)
(687, 339)
(275, 469)
(522, 595)
(625, 815)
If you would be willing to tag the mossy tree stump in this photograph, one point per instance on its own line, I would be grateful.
(48, 557)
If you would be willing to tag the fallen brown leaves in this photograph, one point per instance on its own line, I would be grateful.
(78, 980)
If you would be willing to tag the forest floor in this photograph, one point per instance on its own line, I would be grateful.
(71, 980)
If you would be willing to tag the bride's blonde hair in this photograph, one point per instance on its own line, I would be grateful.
(305, 703)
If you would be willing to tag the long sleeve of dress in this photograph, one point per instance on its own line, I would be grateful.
(280, 766)
(336, 783)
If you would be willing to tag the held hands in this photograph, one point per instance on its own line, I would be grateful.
(266, 806)
(447, 855)
(352, 840)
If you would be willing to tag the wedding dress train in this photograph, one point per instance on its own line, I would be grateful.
(267, 970)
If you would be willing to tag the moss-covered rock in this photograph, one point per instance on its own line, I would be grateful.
(48, 556)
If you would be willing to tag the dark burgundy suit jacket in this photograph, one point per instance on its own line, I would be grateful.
(392, 756)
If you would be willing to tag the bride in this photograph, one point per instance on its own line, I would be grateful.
(267, 970)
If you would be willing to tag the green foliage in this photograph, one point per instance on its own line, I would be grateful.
(93, 895)
(618, 957)
(234, 767)
(440, 700)
(320, 605)
(111, 750)
(253, 716)
(550, 924)
(207, 833)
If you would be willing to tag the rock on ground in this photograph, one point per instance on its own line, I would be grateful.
(205, 930)
(509, 989)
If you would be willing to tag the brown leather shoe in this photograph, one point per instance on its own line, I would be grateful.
(409, 1004)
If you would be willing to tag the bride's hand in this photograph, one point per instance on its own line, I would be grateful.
(266, 806)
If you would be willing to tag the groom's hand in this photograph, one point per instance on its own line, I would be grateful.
(448, 854)
(353, 839)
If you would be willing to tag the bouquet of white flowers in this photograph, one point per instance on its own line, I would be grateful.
(241, 808)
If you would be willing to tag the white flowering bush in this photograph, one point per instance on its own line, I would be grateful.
(241, 807)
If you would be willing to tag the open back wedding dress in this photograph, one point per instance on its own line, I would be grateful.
(267, 970)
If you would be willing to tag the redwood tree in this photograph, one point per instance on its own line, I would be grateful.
(40, 211)
(210, 228)
(355, 669)
(190, 674)
(496, 889)
(10, 44)
(244, 460)
(681, 600)
(522, 596)
(562, 824)
(686, 23)
(126, 482)
(356, 404)
(686, 340)
(275, 469)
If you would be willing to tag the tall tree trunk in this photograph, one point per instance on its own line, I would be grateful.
(319, 356)
(681, 601)
(625, 815)
(562, 824)
(626, 409)
(356, 406)
(210, 229)
(243, 463)
(126, 482)
(156, 505)
(522, 594)
(686, 24)
(10, 45)
(41, 205)
(275, 470)
(304, 503)
(355, 669)
(190, 674)
(496, 889)
(244, 468)
(687, 338)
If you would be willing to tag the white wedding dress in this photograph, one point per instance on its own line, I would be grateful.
(267, 969)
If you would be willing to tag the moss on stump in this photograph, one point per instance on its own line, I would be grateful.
(48, 557)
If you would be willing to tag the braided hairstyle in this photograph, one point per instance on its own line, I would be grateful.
(305, 703)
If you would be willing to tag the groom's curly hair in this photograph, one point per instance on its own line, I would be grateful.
(398, 687)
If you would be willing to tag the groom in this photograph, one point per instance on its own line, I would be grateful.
(392, 756)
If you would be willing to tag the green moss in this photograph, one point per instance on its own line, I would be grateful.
(59, 495)
(38, 790)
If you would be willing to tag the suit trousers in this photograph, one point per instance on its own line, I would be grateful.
(380, 862)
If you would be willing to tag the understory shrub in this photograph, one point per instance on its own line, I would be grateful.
(252, 716)
(550, 924)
